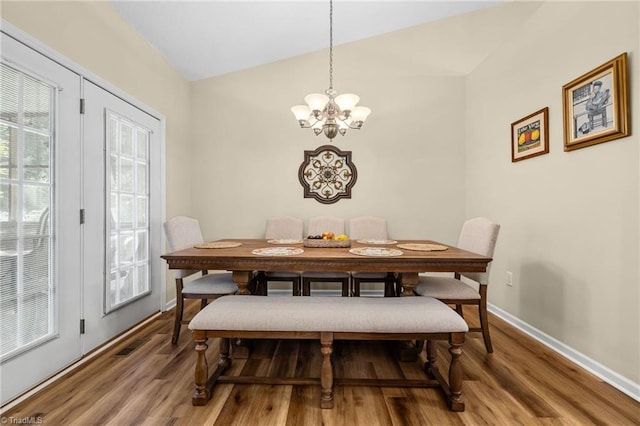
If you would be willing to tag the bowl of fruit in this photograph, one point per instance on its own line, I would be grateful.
(327, 239)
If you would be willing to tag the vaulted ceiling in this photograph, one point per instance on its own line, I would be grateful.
(208, 38)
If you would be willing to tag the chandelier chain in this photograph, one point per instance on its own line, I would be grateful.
(331, 44)
(330, 114)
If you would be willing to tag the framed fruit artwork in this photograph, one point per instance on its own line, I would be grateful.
(530, 135)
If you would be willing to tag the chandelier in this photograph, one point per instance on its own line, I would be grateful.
(331, 113)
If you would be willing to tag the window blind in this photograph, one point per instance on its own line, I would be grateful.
(27, 277)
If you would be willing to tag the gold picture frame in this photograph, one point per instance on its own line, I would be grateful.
(596, 105)
(530, 136)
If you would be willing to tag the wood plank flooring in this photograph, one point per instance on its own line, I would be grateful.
(151, 381)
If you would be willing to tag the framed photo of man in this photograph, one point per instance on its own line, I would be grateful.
(596, 105)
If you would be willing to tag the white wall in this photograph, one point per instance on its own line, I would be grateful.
(570, 220)
(247, 152)
(409, 155)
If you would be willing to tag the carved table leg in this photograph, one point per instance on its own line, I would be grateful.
(326, 374)
(201, 394)
(408, 281)
(242, 280)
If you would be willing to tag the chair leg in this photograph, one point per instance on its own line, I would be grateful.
(459, 310)
(296, 286)
(399, 284)
(390, 285)
(203, 303)
(177, 319)
(258, 285)
(484, 319)
(345, 287)
(355, 287)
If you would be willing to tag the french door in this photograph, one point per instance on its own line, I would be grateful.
(80, 216)
(40, 244)
(121, 199)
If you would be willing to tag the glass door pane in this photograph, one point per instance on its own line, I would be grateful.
(127, 207)
(27, 285)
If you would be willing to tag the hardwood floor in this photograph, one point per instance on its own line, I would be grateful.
(146, 380)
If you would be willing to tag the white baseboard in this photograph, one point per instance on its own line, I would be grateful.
(616, 380)
(169, 305)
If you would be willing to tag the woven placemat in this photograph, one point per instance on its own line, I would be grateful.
(218, 245)
(278, 251)
(375, 251)
(422, 247)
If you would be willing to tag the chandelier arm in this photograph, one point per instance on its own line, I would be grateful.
(310, 124)
(355, 125)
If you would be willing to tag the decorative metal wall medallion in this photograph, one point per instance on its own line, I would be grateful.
(327, 174)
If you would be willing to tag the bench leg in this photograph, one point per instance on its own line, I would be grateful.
(455, 372)
(326, 374)
(201, 394)
(452, 388)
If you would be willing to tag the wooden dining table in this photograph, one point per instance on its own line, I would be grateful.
(242, 261)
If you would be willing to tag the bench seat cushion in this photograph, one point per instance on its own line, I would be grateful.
(334, 314)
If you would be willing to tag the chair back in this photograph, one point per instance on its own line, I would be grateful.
(368, 227)
(479, 235)
(320, 224)
(284, 227)
(182, 232)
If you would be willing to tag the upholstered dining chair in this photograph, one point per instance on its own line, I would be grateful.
(478, 235)
(316, 226)
(282, 228)
(184, 232)
(371, 228)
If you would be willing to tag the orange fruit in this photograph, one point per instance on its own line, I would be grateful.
(535, 135)
(521, 138)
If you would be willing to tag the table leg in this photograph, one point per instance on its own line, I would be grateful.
(408, 280)
(240, 347)
(407, 351)
(242, 279)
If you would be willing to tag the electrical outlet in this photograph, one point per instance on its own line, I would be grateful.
(509, 279)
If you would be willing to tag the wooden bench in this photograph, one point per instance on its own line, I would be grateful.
(329, 319)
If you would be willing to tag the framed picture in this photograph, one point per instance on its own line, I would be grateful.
(530, 136)
(596, 105)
